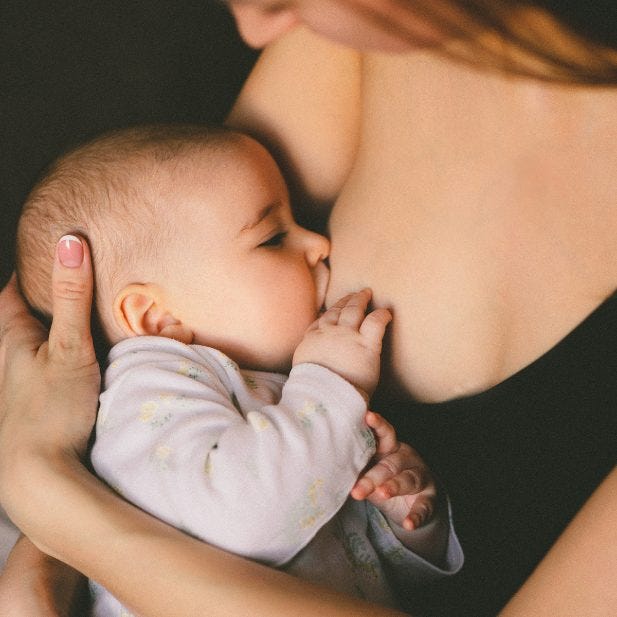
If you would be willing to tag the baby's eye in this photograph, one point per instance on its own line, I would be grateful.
(275, 240)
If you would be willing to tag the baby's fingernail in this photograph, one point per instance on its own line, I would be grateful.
(70, 251)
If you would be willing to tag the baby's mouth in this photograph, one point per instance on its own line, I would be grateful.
(322, 279)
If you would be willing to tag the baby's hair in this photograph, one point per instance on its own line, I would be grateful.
(105, 191)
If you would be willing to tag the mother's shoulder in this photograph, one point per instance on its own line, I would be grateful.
(302, 99)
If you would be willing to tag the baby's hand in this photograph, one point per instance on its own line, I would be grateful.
(347, 341)
(400, 484)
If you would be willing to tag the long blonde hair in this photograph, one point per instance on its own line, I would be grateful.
(565, 41)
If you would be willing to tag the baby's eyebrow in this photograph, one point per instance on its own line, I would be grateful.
(261, 215)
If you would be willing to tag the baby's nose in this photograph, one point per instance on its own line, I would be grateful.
(318, 248)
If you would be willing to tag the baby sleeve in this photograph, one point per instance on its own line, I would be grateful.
(181, 435)
(404, 566)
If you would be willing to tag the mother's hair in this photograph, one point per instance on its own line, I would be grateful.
(557, 40)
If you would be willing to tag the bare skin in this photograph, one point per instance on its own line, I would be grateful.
(480, 210)
(476, 173)
(455, 213)
(32, 583)
(77, 519)
(449, 224)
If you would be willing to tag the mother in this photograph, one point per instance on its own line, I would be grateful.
(473, 179)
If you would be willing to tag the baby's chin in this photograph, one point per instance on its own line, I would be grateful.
(284, 362)
(282, 366)
(275, 360)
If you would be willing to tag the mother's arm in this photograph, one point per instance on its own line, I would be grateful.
(578, 576)
(322, 146)
(303, 101)
(157, 571)
(48, 399)
(33, 583)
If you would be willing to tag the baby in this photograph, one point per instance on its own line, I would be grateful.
(208, 291)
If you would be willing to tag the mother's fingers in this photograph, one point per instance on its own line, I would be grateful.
(11, 303)
(18, 328)
(70, 337)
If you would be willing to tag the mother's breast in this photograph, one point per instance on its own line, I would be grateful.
(408, 224)
(447, 335)
(446, 217)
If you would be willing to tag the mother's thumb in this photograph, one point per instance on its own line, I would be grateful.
(72, 282)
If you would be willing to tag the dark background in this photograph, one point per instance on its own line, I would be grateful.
(71, 69)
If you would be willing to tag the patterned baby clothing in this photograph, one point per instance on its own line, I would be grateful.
(252, 462)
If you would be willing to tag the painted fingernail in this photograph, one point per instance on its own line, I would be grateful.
(70, 251)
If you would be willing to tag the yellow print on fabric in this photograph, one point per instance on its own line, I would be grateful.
(359, 555)
(190, 370)
(309, 411)
(258, 421)
(208, 465)
(147, 411)
(102, 417)
(161, 456)
(313, 510)
(150, 414)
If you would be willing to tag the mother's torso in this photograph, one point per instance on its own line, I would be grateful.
(482, 210)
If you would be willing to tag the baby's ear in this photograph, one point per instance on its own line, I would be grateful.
(139, 311)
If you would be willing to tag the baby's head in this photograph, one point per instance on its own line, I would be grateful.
(192, 238)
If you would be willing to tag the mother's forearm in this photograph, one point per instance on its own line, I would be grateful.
(152, 568)
(579, 574)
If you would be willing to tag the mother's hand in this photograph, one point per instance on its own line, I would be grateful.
(48, 400)
(49, 386)
(33, 583)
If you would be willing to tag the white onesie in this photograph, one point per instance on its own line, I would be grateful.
(252, 462)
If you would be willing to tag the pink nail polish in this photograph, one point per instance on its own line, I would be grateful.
(70, 251)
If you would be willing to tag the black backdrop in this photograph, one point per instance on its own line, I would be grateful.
(70, 69)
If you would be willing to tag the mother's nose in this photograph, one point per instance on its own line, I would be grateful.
(259, 26)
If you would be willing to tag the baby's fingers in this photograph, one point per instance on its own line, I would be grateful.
(374, 325)
(421, 512)
(388, 478)
(349, 310)
(354, 310)
(384, 433)
(403, 459)
(408, 482)
(381, 483)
